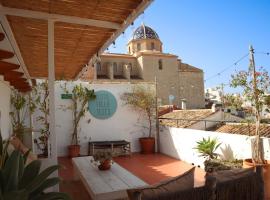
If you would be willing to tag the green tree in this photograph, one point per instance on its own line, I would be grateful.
(80, 97)
(142, 99)
(255, 85)
(233, 101)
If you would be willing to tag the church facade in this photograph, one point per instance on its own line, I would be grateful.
(145, 61)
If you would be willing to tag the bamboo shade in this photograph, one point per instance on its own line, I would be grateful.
(74, 44)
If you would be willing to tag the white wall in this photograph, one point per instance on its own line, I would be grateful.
(180, 143)
(4, 108)
(123, 125)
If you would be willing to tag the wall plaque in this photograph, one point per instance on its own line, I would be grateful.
(66, 96)
(104, 106)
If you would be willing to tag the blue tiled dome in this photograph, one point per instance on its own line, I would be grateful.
(144, 32)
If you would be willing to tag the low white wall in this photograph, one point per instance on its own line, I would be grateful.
(180, 143)
(123, 125)
(4, 108)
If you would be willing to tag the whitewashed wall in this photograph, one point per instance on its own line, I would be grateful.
(4, 108)
(123, 125)
(180, 143)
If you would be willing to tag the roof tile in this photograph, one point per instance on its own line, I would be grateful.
(244, 129)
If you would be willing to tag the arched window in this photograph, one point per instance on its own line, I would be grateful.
(152, 45)
(129, 49)
(138, 46)
(115, 67)
(160, 64)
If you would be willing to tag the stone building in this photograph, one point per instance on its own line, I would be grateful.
(145, 60)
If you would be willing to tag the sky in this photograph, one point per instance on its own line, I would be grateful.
(208, 34)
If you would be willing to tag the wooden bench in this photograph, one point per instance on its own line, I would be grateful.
(123, 145)
(105, 185)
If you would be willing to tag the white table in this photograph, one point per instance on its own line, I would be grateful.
(105, 185)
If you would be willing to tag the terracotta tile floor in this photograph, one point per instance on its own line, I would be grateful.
(150, 168)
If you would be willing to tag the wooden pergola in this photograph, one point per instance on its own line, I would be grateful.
(81, 29)
(58, 39)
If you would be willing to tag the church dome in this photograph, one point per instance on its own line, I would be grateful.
(144, 32)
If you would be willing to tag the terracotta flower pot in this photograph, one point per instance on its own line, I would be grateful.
(247, 163)
(147, 145)
(74, 150)
(105, 165)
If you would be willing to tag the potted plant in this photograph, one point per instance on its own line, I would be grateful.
(20, 106)
(103, 159)
(142, 99)
(207, 149)
(255, 84)
(80, 97)
(40, 94)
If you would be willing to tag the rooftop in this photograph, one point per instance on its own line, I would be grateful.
(188, 68)
(196, 114)
(244, 129)
(117, 55)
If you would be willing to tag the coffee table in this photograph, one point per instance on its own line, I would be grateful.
(105, 185)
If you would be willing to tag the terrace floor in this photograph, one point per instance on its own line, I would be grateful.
(150, 168)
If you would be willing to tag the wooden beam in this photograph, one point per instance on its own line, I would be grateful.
(13, 73)
(5, 66)
(16, 79)
(2, 36)
(22, 87)
(5, 54)
(13, 42)
(57, 17)
(20, 84)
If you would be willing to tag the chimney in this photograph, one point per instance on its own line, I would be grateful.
(183, 104)
(214, 109)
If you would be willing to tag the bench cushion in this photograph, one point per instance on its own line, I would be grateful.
(240, 184)
(234, 174)
(161, 191)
